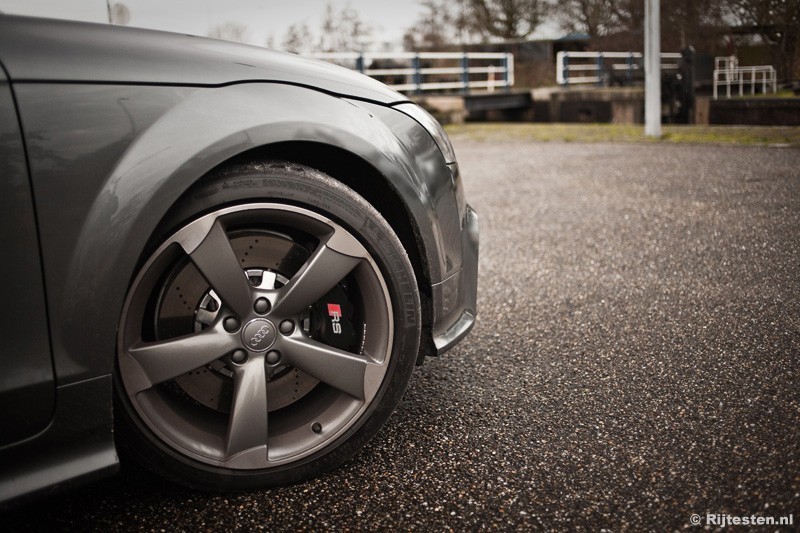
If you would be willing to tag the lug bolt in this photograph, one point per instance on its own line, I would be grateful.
(316, 427)
(287, 327)
(262, 306)
(231, 324)
(273, 357)
(239, 356)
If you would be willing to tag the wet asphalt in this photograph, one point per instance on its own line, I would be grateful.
(635, 362)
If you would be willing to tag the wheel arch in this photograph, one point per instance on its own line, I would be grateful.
(366, 180)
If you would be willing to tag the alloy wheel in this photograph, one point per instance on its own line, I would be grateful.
(231, 346)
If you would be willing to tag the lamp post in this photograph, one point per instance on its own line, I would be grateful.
(652, 69)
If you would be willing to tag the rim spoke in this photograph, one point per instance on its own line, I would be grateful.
(216, 260)
(337, 368)
(267, 280)
(164, 360)
(247, 427)
(324, 269)
(205, 317)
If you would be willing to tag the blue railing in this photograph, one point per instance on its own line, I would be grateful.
(431, 71)
(600, 68)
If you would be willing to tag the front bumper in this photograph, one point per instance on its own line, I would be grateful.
(455, 299)
(447, 228)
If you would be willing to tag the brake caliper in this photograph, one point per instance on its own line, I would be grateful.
(332, 320)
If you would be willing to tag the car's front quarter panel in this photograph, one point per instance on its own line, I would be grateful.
(76, 136)
(109, 161)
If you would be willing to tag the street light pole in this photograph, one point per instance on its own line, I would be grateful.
(652, 69)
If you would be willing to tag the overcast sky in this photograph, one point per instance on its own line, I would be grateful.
(262, 17)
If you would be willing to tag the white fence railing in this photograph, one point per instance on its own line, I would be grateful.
(728, 73)
(427, 71)
(574, 68)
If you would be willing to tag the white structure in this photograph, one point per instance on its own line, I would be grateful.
(728, 73)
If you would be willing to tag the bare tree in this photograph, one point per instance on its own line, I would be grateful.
(595, 17)
(509, 19)
(778, 23)
(628, 14)
(443, 23)
(691, 22)
(466, 28)
(619, 23)
(229, 31)
(327, 41)
(433, 28)
(298, 39)
(344, 31)
(354, 34)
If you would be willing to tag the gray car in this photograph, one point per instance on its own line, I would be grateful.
(220, 260)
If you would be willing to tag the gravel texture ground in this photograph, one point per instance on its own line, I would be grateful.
(635, 362)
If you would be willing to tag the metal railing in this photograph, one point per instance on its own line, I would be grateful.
(727, 72)
(600, 67)
(428, 71)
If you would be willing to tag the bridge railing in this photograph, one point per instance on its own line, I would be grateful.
(603, 68)
(429, 71)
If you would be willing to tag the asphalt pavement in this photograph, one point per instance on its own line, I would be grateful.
(635, 362)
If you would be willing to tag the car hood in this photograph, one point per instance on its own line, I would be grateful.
(45, 50)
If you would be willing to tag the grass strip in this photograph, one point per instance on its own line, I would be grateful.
(518, 131)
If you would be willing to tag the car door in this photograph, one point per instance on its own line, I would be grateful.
(27, 388)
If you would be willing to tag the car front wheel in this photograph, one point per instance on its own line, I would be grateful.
(269, 335)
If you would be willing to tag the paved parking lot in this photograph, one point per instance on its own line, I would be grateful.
(635, 362)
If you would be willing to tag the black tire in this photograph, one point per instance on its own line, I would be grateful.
(167, 423)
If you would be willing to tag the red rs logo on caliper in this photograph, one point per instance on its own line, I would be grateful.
(335, 312)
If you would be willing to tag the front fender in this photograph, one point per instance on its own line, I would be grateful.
(108, 162)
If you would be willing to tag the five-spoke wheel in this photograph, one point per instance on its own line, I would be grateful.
(260, 337)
